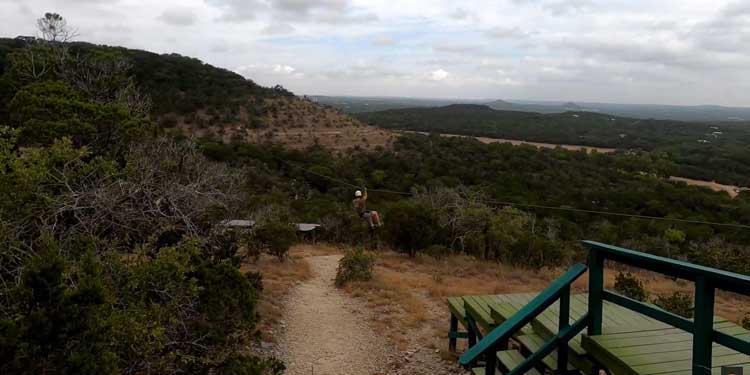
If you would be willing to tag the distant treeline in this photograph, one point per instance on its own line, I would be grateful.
(701, 151)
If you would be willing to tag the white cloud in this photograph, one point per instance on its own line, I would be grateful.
(178, 16)
(382, 41)
(667, 51)
(285, 69)
(438, 75)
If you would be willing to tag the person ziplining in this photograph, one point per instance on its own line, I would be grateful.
(360, 206)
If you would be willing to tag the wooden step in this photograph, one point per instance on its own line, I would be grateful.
(477, 371)
(510, 359)
(534, 342)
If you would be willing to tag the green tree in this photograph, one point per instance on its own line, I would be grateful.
(412, 227)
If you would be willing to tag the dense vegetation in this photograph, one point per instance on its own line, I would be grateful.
(178, 86)
(111, 259)
(725, 158)
(455, 182)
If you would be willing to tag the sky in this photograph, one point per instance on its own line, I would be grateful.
(625, 51)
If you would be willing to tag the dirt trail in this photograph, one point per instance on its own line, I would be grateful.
(327, 331)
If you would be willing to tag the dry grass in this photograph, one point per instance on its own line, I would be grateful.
(408, 294)
(278, 280)
(294, 123)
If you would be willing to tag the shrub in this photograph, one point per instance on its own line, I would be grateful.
(356, 265)
(630, 286)
(252, 366)
(437, 251)
(746, 321)
(678, 303)
(412, 226)
(276, 237)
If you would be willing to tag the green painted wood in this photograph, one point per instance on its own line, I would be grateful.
(687, 366)
(563, 322)
(685, 346)
(524, 316)
(720, 279)
(596, 286)
(660, 351)
(476, 307)
(501, 312)
(510, 359)
(560, 339)
(533, 342)
(456, 306)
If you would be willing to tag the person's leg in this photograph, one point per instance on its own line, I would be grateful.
(368, 216)
(376, 218)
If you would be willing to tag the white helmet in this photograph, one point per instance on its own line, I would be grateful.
(358, 193)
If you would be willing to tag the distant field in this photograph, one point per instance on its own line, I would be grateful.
(516, 142)
(733, 191)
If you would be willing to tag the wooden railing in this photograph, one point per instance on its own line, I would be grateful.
(706, 280)
(498, 338)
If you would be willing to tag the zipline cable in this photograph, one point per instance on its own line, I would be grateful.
(538, 206)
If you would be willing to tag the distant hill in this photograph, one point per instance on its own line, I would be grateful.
(357, 104)
(503, 105)
(198, 99)
(704, 151)
(703, 113)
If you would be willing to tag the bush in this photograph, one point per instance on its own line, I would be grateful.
(630, 286)
(746, 321)
(412, 226)
(252, 366)
(356, 265)
(276, 237)
(678, 303)
(437, 251)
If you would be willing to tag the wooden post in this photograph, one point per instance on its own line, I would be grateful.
(563, 323)
(490, 361)
(703, 326)
(452, 332)
(596, 284)
(472, 330)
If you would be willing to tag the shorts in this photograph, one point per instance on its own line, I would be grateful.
(366, 215)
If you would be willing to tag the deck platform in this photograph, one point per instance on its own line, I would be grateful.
(631, 343)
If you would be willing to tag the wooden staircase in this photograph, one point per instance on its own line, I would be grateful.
(539, 334)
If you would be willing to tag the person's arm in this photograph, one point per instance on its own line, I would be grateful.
(364, 195)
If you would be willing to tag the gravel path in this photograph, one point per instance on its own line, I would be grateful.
(326, 331)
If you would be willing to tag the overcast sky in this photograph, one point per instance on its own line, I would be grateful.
(633, 51)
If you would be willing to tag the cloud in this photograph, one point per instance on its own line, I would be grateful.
(238, 10)
(284, 69)
(458, 48)
(459, 14)
(292, 11)
(382, 41)
(502, 32)
(278, 28)
(671, 51)
(438, 75)
(568, 6)
(178, 17)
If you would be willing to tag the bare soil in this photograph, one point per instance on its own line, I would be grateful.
(327, 332)
(733, 191)
(517, 142)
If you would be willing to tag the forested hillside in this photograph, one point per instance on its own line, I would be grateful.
(700, 151)
(197, 99)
